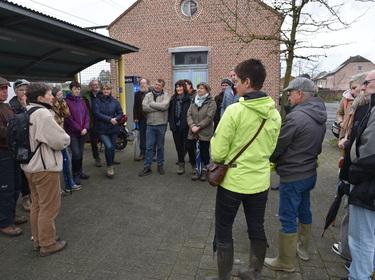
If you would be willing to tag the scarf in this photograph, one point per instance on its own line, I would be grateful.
(198, 100)
(156, 94)
(178, 110)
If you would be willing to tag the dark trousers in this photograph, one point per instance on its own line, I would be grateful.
(94, 143)
(227, 204)
(76, 146)
(204, 150)
(25, 189)
(183, 145)
(10, 188)
(142, 124)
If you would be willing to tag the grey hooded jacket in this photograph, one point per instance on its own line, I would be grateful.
(300, 141)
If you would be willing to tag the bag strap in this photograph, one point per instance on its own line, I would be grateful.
(248, 144)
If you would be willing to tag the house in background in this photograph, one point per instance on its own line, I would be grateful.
(338, 79)
(181, 39)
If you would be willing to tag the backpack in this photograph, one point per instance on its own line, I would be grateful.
(17, 136)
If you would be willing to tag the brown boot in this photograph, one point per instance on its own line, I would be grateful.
(26, 203)
(17, 220)
(11, 231)
(57, 246)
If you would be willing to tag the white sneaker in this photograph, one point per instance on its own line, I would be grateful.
(75, 188)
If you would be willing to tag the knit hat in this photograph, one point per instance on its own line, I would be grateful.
(20, 82)
(303, 84)
(4, 82)
(226, 81)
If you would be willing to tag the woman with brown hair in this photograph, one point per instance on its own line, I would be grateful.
(177, 117)
(200, 118)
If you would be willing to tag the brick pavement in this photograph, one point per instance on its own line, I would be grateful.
(161, 227)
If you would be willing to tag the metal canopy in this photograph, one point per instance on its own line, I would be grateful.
(38, 47)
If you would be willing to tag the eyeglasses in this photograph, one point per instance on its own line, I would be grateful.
(366, 82)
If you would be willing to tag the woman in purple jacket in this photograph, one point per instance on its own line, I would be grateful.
(77, 126)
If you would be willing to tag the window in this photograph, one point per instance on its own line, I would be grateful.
(189, 7)
(190, 58)
(359, 67)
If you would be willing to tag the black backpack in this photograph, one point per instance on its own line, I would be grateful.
(18, 136)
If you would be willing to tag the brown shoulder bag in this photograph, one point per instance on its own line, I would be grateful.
(216, 171)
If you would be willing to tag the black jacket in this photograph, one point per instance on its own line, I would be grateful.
(185, 104)
(361, 171)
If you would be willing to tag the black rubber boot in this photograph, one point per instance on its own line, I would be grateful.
(257, 255)
(224, 262)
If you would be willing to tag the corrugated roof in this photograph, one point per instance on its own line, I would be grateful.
(36, 46)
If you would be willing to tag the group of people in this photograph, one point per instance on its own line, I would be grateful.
(248, 128)
(357, 233)
(190, 114)
(57, 124)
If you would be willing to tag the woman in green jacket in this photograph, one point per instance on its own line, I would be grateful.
(248, 180)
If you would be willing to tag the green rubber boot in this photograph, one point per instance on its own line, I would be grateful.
(287, 253)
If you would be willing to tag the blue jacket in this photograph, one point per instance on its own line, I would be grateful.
(229, 98)
(105, 109)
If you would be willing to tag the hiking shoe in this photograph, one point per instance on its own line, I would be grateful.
(140, 158)
(181, 168)
(26, 203)
(57, 246)
(110, 172)
(11, 230)
(83, 175)
(335, 248)
(36, 246)
(146, 171)
(115, 161)
(161, 169)
(98, 162)
(195, 177)
(74, 188)
(62, 192)
(17, 220)
(347, 265)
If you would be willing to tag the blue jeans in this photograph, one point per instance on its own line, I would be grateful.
(227, 204)
(69, 183)
(155, 136)
(361, 242)
(295, 203)
(10, 182)
(109, 142)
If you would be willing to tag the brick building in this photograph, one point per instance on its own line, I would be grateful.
(338, 79)
(188, 39)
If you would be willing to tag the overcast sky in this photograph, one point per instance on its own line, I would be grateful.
(361, 35)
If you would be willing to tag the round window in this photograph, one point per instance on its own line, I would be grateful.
(189, 7)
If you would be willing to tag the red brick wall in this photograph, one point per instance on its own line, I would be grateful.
(157, 25)
(340, 80)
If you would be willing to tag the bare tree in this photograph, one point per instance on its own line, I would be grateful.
(299, 26)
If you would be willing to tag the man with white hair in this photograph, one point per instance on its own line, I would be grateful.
(295, 157)
(362, 191)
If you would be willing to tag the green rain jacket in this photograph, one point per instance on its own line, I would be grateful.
(240, 122)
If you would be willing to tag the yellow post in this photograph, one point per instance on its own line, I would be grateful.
(76, 77)
(121, 83)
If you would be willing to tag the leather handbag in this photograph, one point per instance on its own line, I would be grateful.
(216, 171)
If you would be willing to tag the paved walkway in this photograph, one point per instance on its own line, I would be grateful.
(161, 227)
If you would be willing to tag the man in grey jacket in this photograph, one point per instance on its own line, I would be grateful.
(295, 156)
(155, 105)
